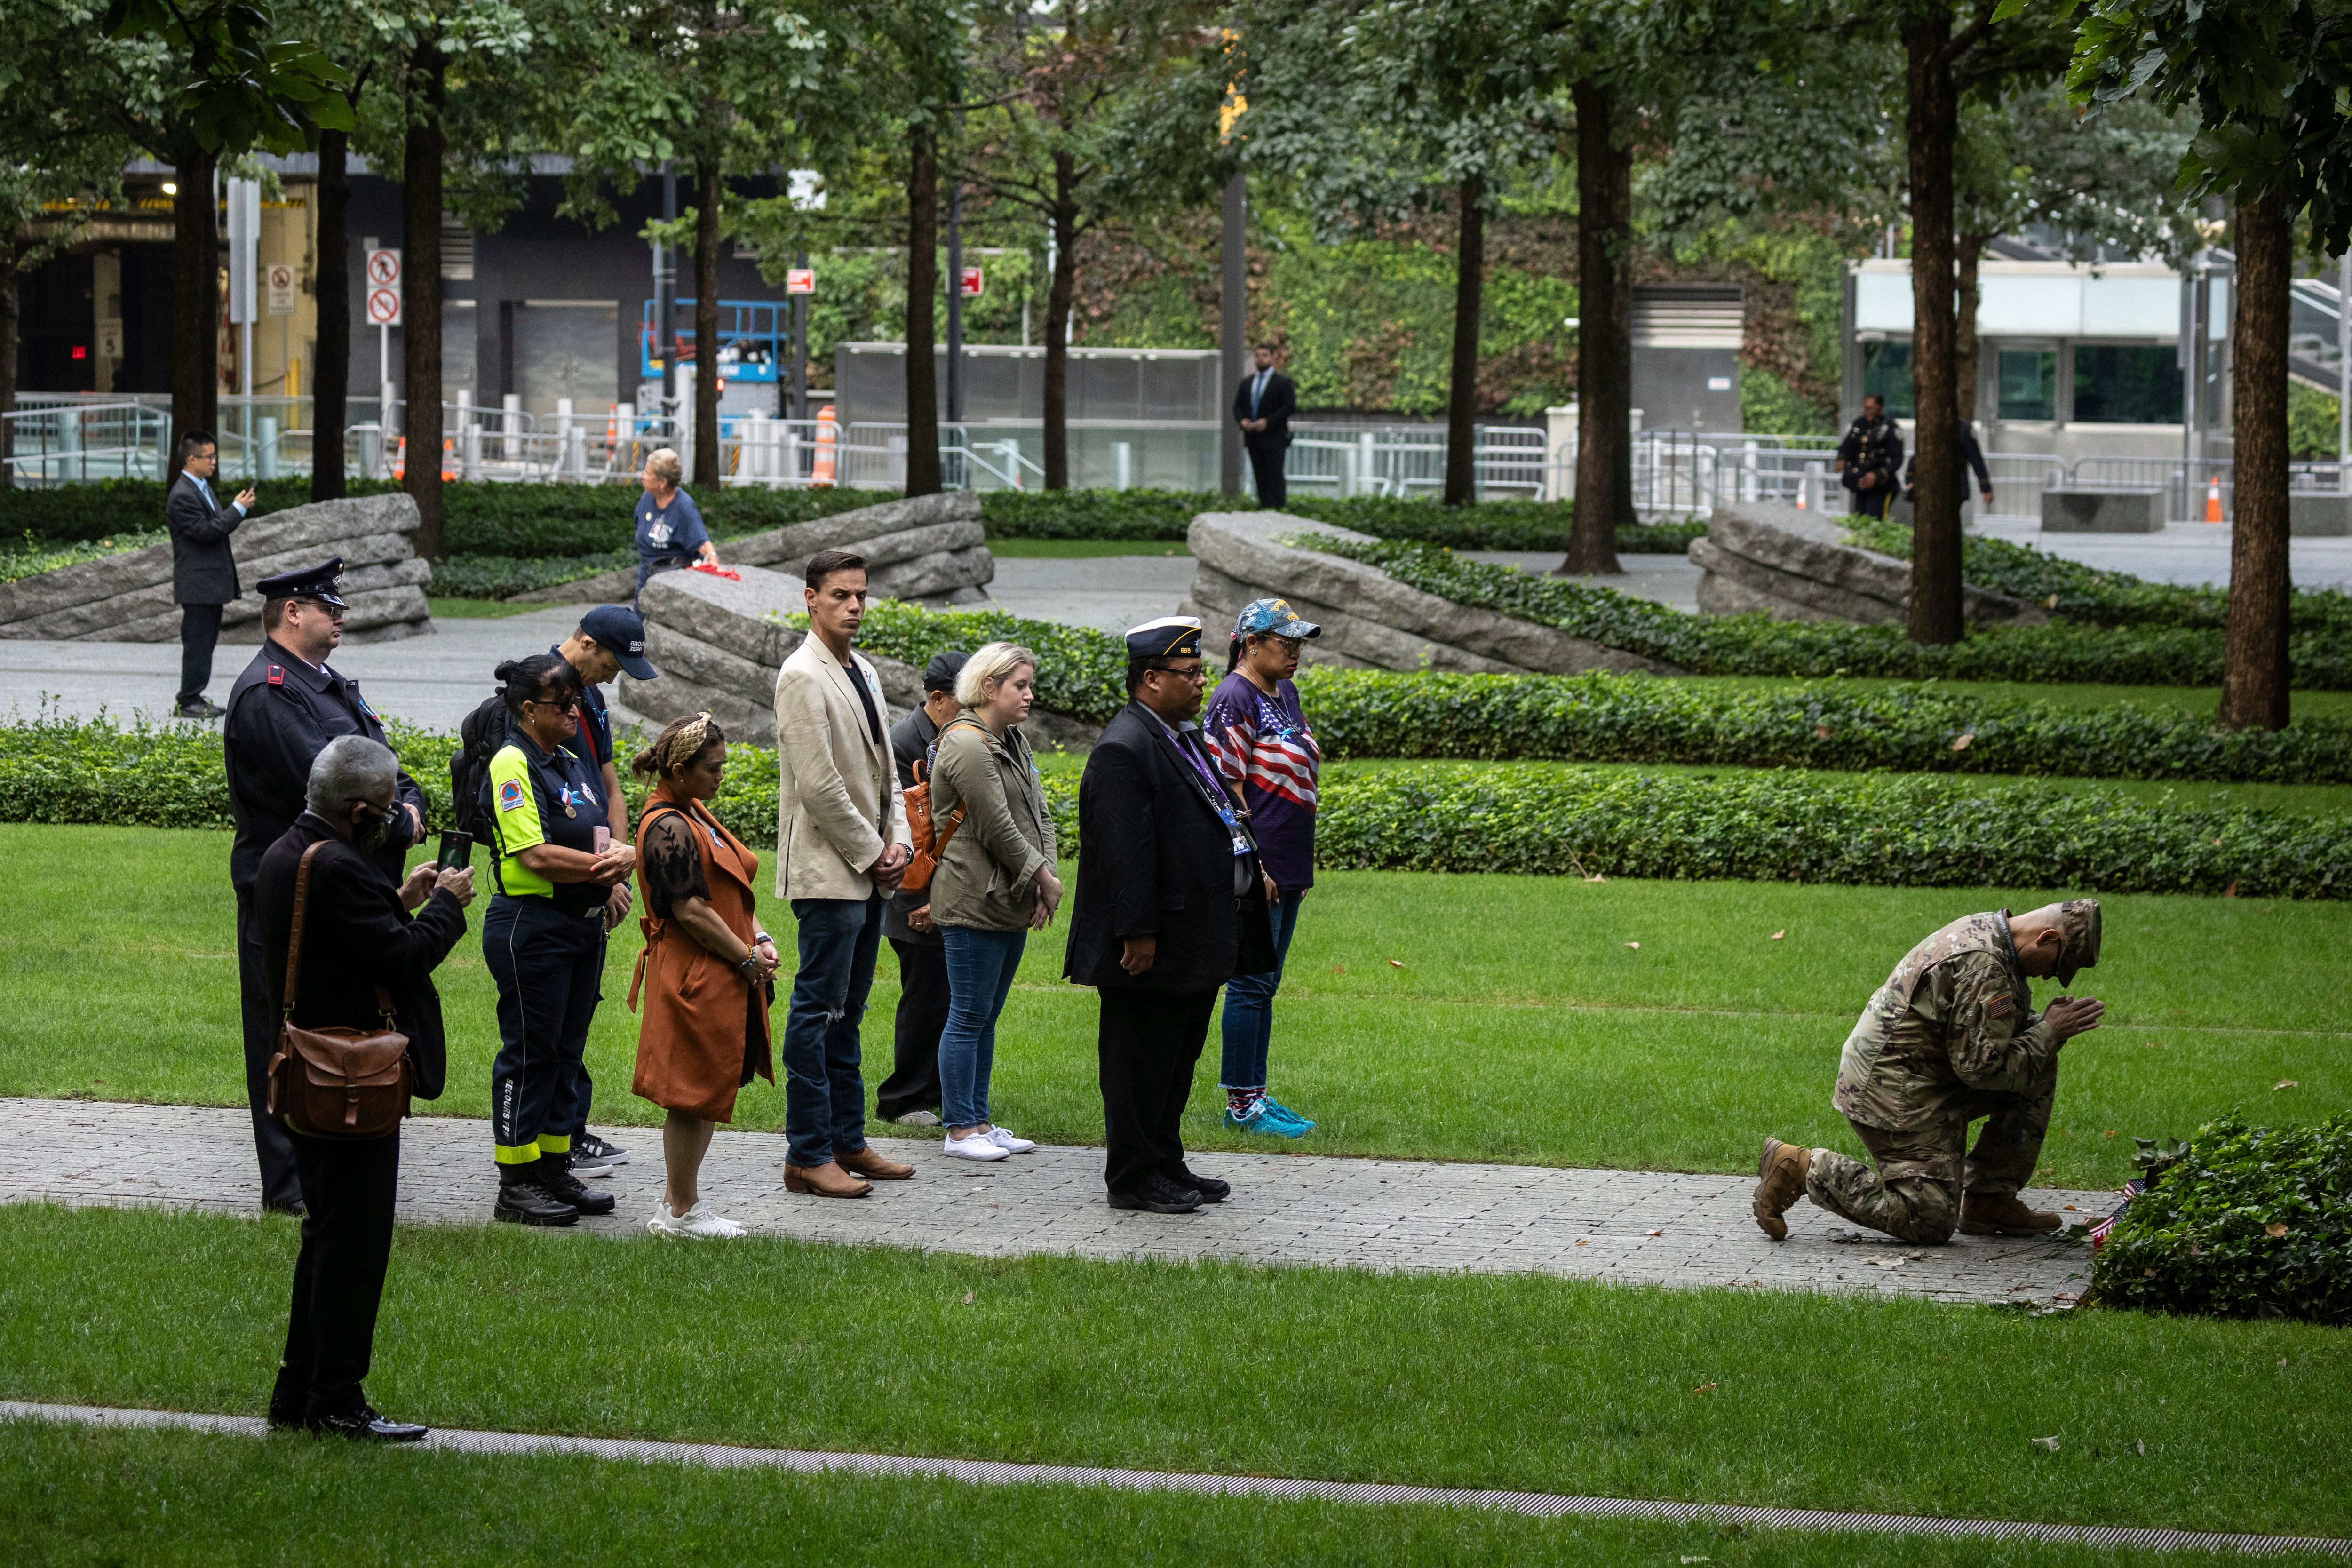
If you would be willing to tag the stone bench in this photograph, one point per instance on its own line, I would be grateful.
(2137, 509)
(1795, 565)
(128, 597)
(926, 547)
(1370, 620)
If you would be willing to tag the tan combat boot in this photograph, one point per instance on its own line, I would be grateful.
(1779, 1183)
(2003, 1216)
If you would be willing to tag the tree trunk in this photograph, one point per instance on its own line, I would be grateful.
(1060, 292)
(1604, 345)
(2255, 678)
(1932, 126)
(330, 288)
(195, 299)
(707, 193)
(9, 305)
(1967, 349)
(922, 284)
(420, 299)
(1461, 397)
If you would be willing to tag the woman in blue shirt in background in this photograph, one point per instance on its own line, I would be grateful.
(669, 525)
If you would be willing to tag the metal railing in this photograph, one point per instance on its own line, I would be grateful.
(78, 443)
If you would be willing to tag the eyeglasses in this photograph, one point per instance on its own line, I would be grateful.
(1197, 674)
(563, 704)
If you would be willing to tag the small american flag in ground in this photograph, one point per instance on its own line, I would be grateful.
(2132, 1189)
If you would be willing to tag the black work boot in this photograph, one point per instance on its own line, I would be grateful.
(525, 1200)
(555, 1175)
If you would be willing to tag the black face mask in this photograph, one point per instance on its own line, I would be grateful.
(370, 832)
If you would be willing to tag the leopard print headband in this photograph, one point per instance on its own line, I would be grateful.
(685, 745)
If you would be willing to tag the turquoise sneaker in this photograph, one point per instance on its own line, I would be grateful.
(1260, 1118)
(1292, 1125)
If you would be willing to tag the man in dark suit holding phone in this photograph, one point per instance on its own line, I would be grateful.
(1262, 406)
(204, 571)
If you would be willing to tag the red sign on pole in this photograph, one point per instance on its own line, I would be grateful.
(801, 281)
(971, 281)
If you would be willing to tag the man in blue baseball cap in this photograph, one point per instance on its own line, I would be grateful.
(610, 641)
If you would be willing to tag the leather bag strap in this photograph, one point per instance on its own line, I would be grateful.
(294, 936)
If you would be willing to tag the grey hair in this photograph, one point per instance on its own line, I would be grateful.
(990, 666)
(350, 768)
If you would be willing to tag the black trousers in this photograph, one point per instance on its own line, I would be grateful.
(1265, 462)
(549, 965)
(1872, 502)
(199, 635)
(348, 1188)
(1148, 1043)
(280, 1187)
(914, 1080)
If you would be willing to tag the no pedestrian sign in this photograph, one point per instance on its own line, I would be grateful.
(800, 280)
(383, 287)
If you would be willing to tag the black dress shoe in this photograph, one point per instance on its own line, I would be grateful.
(528, 1203)
(555, 1175)
(365, 1426)
(204, 709)
(286, 1418)
(292, 1209)
(1211, 1190)
(1157, 1196)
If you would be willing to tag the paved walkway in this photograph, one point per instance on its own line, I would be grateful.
(1630, 1227)
(999, 1473)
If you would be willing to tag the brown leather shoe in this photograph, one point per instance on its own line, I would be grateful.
(1779, 1183)
(868, 1163)
(825, 1181)
(2003, 1216)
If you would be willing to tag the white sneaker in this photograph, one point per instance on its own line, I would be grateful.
(979, 1146)
(697, 1222)
(1008, 1143)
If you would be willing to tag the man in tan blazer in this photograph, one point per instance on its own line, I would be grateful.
(841, 846)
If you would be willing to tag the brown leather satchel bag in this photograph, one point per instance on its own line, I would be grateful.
(930, 838)
(348, 1084)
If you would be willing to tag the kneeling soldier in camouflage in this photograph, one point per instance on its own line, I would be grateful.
(1949, 1037)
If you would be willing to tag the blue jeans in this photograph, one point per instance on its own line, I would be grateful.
(824, 1096)
(980, 966)
(1249, 1004)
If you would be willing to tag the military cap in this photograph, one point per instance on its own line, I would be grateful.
(1170, 637)
(314, 582)
(2078, 938)
(940, 675)
(1273, 617)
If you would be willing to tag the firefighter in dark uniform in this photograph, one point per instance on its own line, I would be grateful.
(286, 706)
(1870, 458)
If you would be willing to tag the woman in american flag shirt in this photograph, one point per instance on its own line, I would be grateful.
(1259, 736)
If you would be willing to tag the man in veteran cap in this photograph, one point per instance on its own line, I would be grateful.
(1171, 903)
(1952, 1037)
(282, 712)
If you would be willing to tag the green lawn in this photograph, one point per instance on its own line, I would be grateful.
(1083, 549)
(1512, 1382)
(2205, 701)
(78, 1498)
(1427, 1017)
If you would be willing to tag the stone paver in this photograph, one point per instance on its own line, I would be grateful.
(1630, 1227)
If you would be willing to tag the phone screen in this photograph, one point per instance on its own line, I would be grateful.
(456, 849)
(600, 838)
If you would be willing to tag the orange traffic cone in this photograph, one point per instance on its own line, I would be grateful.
(828, 438)
(2213, 501)
(400, 463)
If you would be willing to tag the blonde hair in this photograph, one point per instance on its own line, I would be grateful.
(991, 666)
(666, 466)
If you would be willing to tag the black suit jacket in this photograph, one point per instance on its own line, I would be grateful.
(281, 714)
(1154, 859)
(355, 937)
(1280, 402)
(203, 570)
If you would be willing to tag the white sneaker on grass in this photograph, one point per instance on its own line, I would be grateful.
(697, 1222)
(979, 1146)
(1008, 1143)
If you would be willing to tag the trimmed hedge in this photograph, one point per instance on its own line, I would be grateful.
(2242, 1222)
(1757, 645)
(1900, 830)
(504, 576)
(1080, 672)
(1910, 729)
(2082, 593)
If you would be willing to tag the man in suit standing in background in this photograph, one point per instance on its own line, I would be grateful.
(1171, 903)
(204, 572)
(1264, 404)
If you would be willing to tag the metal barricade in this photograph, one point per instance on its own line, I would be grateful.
(78, 442)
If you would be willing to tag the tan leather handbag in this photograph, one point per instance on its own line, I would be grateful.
(347, 1084)
(929, 839)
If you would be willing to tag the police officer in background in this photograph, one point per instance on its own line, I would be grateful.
(1870, 458)
(284, 709)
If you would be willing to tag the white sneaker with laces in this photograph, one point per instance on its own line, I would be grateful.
(697, 1222)
(1008, 1143)
(979, 1146)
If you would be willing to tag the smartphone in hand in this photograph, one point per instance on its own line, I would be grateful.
(600, 839)
(457, 850)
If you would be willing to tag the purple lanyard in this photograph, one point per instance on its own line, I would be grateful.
(1216, 786)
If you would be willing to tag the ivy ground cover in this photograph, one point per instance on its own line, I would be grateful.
(1550, 1021)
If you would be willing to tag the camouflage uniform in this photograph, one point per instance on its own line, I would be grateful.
(1949, 1037)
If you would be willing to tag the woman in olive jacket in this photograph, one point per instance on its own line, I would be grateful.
(995, 881)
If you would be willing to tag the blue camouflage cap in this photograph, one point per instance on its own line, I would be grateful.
(1273, 617)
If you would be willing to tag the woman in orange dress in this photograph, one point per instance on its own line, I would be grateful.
(704, 970)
